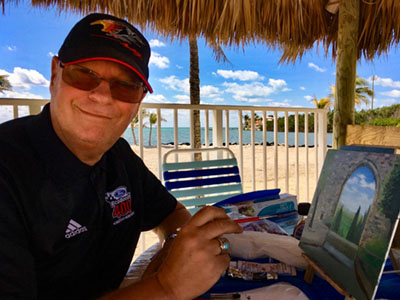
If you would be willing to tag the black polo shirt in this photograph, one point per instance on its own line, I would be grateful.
(68, 230)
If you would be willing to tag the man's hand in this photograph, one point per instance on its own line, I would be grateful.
(194, 262)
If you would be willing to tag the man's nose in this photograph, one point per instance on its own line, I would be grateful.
(102, 93)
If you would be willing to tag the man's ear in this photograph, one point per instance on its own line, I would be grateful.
(54, 71)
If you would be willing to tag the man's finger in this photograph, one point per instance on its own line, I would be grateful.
(218, 227)
(207, 214)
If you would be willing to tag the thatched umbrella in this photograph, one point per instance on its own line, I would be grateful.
(349, 29)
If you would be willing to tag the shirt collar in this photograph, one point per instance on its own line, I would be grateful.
(57, 157)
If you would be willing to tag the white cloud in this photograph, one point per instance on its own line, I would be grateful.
(156, 43)
(387, 82)
(240, 75)
(176, 84)
(14, 94)
(155, 98)
(51, 54)
(214, 100)
(24, 79)
(255, 91)
(256, 100)
(302, 88)
(315, 67)
(209, 91)
(11, 48)
(278, 84)
(308, 97)
(285, 103)
(378, 102)
(182, 98)
(159, 61)
(392, 93)
(6, 113)
(179, 67)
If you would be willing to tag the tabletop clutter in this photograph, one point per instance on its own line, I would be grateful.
(268, 247)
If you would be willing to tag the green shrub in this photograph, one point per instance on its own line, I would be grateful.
(364, 117)
(386, 122)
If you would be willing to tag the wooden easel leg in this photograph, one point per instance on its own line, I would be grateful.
(309, 275)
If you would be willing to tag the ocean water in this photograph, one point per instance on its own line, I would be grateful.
(167, 136)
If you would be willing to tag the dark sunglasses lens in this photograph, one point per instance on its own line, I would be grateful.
(126, 92)
(80, 78)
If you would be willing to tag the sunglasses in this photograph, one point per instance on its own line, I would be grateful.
(85, 79)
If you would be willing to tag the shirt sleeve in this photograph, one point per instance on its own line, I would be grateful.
(17, 269)
(157, 202)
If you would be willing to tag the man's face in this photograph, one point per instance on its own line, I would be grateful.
(90, 120)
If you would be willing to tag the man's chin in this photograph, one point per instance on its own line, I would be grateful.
(98, 139)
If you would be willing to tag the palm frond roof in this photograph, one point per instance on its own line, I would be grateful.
(294, 26)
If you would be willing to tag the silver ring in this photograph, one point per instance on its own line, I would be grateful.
(224, 245)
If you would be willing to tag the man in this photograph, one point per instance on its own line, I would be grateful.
(74, 197)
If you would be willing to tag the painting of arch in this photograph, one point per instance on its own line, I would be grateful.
(353, 217)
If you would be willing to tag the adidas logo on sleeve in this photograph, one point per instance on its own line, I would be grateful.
(74, 228)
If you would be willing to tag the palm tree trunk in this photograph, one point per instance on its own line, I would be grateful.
(195, 92)
(133, 134)
(346, 65)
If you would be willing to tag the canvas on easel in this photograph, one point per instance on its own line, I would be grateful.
(353, 217)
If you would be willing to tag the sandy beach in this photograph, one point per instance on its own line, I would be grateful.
(150, 157)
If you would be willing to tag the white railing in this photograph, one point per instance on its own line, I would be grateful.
(216, 111)
(279, 165)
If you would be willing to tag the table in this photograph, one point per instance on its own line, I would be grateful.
(318, 289)
(231, 285)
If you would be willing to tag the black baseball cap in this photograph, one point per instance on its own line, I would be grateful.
(105, 37)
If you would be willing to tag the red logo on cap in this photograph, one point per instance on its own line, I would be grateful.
(120, 33)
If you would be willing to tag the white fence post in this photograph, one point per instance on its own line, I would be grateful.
(322, 139)
(217, 129)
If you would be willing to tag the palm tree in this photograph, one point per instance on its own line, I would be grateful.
(5, 85)
(362, 91)
(135, 123)
(323, 102)
(258, 122)
(246, 122)
(194, 81)
(152, 120)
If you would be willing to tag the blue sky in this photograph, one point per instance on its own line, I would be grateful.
(29, 37)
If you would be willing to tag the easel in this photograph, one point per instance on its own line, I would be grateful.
(313, 266)
(310, 271)
(394, 253)
(364, 136)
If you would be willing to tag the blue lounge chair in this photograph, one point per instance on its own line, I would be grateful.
(203, 182)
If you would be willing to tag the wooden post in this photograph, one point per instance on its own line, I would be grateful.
(346, 65)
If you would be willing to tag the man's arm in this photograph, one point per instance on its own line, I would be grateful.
(179, 217)
(193, 263)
